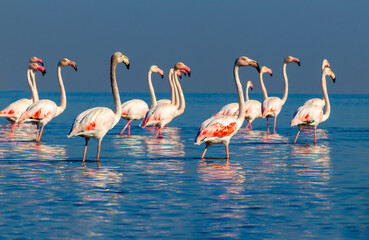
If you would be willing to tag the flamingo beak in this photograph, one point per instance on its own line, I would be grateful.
(73, 64)
(39, 60)
(42, 70)
(251, 87)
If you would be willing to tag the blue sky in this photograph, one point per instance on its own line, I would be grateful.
(207, 35)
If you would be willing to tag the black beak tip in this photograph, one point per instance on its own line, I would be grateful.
(127, 66)
(162, 76)
(334, 80)
(42, 64)
(271, 75)
(299, 63)
(189, 74)
(43, 73)
(258, 68)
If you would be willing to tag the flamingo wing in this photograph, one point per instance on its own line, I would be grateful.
(230, 109)
(15, 109)
(272, 106)
(216, 128)
(307, 115)
(134, 109)
(253, 109)
(42, 111)
(315, 102)
(94, 122)
(159, 114)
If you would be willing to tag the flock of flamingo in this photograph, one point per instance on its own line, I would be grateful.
(220, 128)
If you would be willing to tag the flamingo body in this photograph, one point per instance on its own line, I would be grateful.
(315, 102)
(15, 109)
(308, 115)
(134, 109)
(93, 123)
(230, 109)
(41, 112)
(272, 106)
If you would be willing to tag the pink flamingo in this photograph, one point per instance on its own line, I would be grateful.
(136, 109)
(318, 101)
(162, 114)
(272, 106)
(96, 122)
(42, 111)
(13, 112)
(311, 115)
(220, 129)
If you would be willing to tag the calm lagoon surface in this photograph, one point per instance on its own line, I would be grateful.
(148, 188)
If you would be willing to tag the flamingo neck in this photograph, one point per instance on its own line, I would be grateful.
(115, 91)
(182, 103)
(32, 74)
(63, 99)
(326, 98)
(241, 102)
(263, 89)
(285, 94)
(151, 89)
(176, 95)
(172, 89)
(30, 84)
(247, 93)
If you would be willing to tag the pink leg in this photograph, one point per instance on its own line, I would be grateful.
(39, 136)
(227, 151)
(38, 126)
(203, 154)
(314, 135)
(247, 126)
(128, 124)
(129, 130)
(85, 151)
(98, 151)
(12, 127)
(275, 123)
(159, 131)
(297, 136)
(250, 126)
(267, 125)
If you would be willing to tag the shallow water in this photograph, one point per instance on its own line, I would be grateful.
(148, 188)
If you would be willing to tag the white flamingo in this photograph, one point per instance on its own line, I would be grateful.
(136, 109)
(318, 101)
(13, 112)
(310, 115)
(96, 122)
(220, 129)
(272, 106)
(42, 111)
(162, 114)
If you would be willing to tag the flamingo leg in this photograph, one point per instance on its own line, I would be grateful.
(203, 154)
(85, 151)
(297, 136)
(227, 151)
(129, 129)
(39, 137)
(159, 131)
(267, 125)
(128, 124)
(38, 127)
(275, 123)
(250, 126)
(98, 151)
(12, 127)
(247, 126)
(314, 135)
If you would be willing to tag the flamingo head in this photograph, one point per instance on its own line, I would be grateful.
(249, 85)
(118, 57)
(264, 69)
(327, 71)
(325, 63)
(290, 59)
(156, 69)
(66, 62)
(36, 60)
(245, 61)
(35, 67)
(180, 66)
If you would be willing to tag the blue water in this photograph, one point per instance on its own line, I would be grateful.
(149, 188)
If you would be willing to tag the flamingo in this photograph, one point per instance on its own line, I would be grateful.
(162, 114)
(220, 129)
(96, 122)
(42, 111)
(310, 115)
(318, 101)
(272, 106)
(13, 112)
(136, 109)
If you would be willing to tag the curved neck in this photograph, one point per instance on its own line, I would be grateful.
(285, 94)
(176, 95)
(182, 103)
(172, 89)
(63, 96)
(151, 89)
(30, 84)
(247, 93)
(32, 74)
(265, 94)
(241, 115)
(325, 97)
(115, 91)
